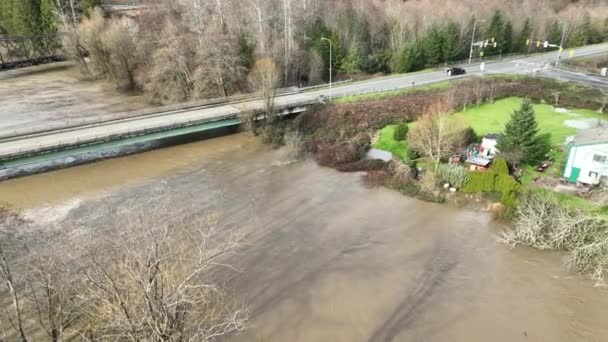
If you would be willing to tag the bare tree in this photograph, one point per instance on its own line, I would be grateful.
(264, 79)
(6, 274)
(53, 293)
(435, 134)
(151, 283)
(123, 60)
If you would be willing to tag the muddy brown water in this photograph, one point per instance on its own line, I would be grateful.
(33, 98)
(329, 259)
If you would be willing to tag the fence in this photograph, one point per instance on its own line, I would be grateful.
(29, 50)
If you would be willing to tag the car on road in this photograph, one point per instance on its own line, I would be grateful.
(455, 71)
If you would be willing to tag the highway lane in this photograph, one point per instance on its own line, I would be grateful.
(107, 130)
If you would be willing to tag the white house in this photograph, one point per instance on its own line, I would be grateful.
(588, 157)
(488, 145)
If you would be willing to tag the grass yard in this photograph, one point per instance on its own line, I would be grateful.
(491, 118)
(387, 142)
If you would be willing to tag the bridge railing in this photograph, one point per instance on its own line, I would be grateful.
(28, 50)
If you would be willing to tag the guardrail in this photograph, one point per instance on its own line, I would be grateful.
(72, 124)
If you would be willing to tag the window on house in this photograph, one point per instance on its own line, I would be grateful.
(599, 158)
(593, 174)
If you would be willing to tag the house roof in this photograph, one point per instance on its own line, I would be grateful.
(494, 136)
(479, 161)
(591, 136)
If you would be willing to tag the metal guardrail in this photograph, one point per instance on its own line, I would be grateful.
(28, 50)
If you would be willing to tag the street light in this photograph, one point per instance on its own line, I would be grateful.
(330, 69)
(473, 38)
(561, 45)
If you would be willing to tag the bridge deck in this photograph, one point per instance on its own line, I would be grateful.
(57, 139)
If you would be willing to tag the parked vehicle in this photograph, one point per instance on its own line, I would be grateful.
(455, 71)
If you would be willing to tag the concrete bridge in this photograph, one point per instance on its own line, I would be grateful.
(33, 145)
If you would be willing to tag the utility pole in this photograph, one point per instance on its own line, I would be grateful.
(285, 4)
(561, 45)
(330, 66)
(473, 39)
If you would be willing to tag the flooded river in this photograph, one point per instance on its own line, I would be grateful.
(329, 259)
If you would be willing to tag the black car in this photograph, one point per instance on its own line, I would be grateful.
(455, 71)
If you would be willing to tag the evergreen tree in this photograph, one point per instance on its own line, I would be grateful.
(337, 55)
(585, 33)
(412, 57)
(555, 33)
(5, 16)
(433, 46)
(451, 42)
(507, 38)
(47, 17)
(496, 30)
(526, 33)
(353, 61)
(521, 136)
(23, 18)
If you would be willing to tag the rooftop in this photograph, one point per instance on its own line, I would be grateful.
(494, 136)
(591, 136)
(479, 161)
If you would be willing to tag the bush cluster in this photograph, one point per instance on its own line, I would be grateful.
(496, 180)
(456, 175)
(401, 131)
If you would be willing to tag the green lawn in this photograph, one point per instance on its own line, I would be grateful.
(387, 142)
(491, 118)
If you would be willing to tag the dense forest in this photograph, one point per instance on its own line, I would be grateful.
(188, 49)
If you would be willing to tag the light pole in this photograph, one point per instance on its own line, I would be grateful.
(473, 38)
(561, 46)
(330, 68)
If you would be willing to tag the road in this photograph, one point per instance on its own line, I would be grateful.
(21, 143)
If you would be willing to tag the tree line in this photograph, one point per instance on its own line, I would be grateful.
(186, 50)
(29, 17)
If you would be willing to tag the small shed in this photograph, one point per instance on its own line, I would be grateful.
(588, 157)
(479, 163)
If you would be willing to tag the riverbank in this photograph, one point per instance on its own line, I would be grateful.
(327, 257)
(339, 136)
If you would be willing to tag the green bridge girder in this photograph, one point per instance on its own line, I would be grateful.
(113, 144)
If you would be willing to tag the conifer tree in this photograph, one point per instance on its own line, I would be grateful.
(433, 46)
(507, 45)
(525, 34)
(555, 33)
(521, 138)
(47, 17)
(496, 30)
(412, 57)
(451, 41)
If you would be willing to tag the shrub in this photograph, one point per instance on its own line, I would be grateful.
(541, 221)
(402, 173)
(480, 182)
(428, 182)
(500, 166)
(401, 131)
(456, 175)
(505, 184)
(294, 144)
